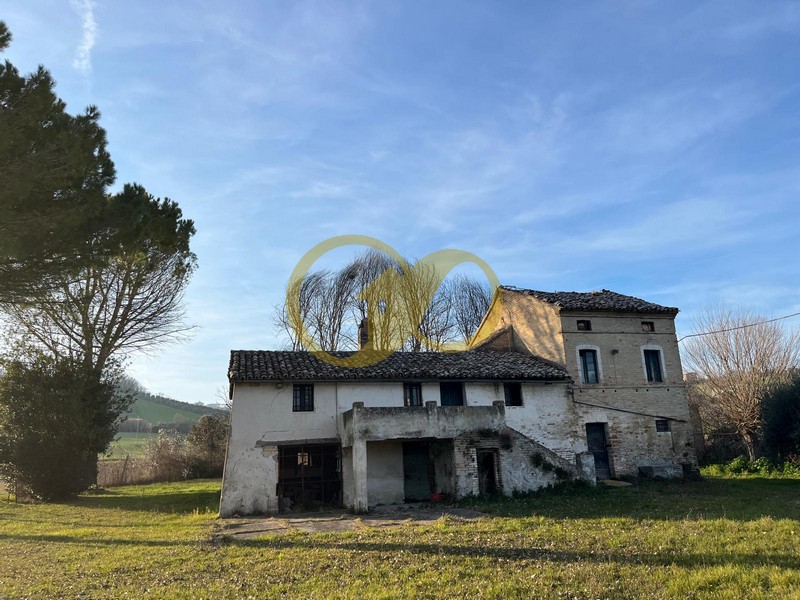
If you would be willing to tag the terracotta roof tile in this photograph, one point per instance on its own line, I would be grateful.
(597, 301)
(271, 365)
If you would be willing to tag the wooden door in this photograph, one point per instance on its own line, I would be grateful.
(596, 439)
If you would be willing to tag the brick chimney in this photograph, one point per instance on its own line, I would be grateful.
(363, 334)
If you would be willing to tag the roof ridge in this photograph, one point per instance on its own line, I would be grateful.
(603, 300)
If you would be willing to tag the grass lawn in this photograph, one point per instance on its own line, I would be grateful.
(128, 442)
(719, 538)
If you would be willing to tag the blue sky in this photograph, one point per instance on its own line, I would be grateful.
(652, 148)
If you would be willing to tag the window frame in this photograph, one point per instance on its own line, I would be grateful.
(648, 326)
(662, 365)
(665, 424)
(454, 384)
(508, 394)
(303, 403)
(407, 397)
(587, 324)
(598, 363)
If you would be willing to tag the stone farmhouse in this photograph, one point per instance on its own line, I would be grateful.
(555, 386)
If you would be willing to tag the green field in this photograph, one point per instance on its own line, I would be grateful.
(128, 443)
(720, 538)
(156, 412)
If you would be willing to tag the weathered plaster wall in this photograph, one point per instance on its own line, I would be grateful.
(248, 485)
(548, 416)
(428, 422)
(385, 472)
(348, 484)
(262, 412)
(466, 468)
(444, 467)
(516, 472)
(262, 415)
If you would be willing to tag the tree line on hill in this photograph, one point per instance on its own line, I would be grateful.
(86, 277)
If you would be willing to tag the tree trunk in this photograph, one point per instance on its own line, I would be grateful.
(751, 443)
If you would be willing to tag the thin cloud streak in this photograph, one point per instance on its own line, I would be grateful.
(83, 55)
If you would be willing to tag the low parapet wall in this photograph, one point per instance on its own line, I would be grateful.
(418, 422)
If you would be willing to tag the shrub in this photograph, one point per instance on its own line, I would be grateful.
(55, 418)
(176, 425)
(738, 465)
(167, 457)
(781, 414)
(207, 442)
(762, 467)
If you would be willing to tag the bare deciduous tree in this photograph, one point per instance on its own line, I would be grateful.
(741, 358)
(405, 306)
(319, 305)
(471, 301)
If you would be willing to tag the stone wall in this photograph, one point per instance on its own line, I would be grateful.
(623, 398)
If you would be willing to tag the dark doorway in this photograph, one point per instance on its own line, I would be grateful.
(309, 476)
(487, 472)
(452, 393)
(596, 440)
(418, 473)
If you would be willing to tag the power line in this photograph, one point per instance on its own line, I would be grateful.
(739, 327)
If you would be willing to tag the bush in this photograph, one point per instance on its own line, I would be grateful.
(722, 446)
(207, 442)
(781, 414)
(167, 457)
(762, 467)
(177, 425)
(172, 457)
(55, 418)
(738, 465)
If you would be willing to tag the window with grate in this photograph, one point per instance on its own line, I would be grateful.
(412, 394)
(662, 425)
(303, 399)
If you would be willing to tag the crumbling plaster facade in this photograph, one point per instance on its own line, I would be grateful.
(372, 457)
(528, 338)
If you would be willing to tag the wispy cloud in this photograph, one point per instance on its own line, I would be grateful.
(83, 55)
(784, 19)
(571, 149)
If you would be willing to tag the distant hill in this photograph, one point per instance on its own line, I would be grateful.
(160, 409)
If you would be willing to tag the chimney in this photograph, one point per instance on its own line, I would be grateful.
(363, 334)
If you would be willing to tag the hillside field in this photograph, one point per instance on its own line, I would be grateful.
(155, 410)
(718, 538)
(128, 443)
